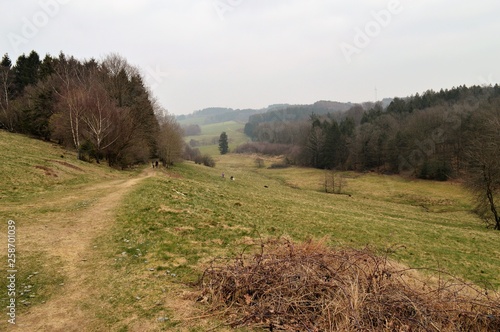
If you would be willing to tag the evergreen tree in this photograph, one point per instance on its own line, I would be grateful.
(26, 71)
(46, 67)
(223, 143)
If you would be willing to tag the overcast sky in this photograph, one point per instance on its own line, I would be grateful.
(252, 53)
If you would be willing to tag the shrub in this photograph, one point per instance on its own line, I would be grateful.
(279, 165)
(310, 287)
(440, 171)
(208, 161)
(205, 160)
(191, 153)
(270, 149)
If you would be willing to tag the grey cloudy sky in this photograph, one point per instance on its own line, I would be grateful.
(253, 53)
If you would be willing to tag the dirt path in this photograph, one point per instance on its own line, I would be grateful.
(70, 236)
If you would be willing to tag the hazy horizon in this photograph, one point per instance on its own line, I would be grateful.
(241, 54)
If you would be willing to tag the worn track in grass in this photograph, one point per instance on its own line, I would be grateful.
(69, 235)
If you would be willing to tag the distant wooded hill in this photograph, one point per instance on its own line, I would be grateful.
(428, 135)
(220, 114)
(271, 113)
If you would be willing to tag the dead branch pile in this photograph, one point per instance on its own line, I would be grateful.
(311, 287)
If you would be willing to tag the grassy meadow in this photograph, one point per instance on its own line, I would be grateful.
(210, 133)
(170, 228)
(173, 224)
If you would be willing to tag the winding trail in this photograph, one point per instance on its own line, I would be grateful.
(70, 237)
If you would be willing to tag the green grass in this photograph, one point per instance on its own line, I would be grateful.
(30, 168)
(35, 283)
(37, 180)
(210, 133)
(178, 223)
(171, 226)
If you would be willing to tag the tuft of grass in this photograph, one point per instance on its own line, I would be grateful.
(36, 279)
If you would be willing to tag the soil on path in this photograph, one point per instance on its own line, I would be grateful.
(69, 235)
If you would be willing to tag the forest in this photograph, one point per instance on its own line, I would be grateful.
(426, 134)
(102, 109)
(450, 134)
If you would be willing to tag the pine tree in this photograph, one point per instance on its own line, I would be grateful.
(26, 71)
(223, 143)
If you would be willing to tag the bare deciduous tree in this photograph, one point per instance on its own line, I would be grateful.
(100, 120)
(7, 116)
(72, 91)
(170, 142)
(69, 118)
(484, 166)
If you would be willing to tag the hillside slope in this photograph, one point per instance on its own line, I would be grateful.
(31, 167)
(120, 251)
(59, 205)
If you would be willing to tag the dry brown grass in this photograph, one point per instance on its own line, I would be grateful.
(312, 287)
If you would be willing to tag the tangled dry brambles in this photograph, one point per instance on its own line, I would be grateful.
(311, 287)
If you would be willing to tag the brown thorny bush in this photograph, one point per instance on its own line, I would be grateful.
(312, 287)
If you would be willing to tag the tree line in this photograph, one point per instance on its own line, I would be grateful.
(102, 109)
(425, 134)
(437, 135)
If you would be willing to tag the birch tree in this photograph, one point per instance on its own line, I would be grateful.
(101, 121)
(7, 115)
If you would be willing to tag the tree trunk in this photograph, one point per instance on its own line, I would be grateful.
(491, 200)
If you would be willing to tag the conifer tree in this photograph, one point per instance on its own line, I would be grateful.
(223, 143)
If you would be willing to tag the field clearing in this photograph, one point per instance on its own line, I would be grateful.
(430, 222)
(189, 215)
(140, 259)
(210, 133)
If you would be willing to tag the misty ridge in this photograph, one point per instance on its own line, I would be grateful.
(424, 135)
